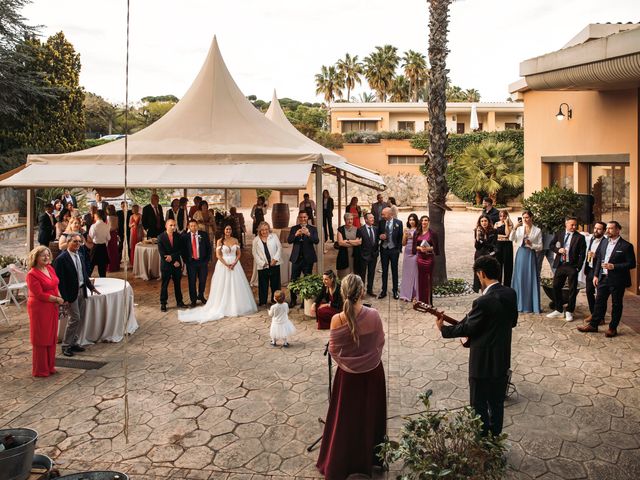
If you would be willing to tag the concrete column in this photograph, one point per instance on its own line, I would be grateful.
(31, 211)
(491, 122)
(319, 219)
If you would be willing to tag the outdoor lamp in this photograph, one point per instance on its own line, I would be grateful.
(560, 115)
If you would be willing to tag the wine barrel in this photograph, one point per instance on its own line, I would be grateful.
(280, 215)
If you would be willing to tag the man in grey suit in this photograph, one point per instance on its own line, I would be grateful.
(368, 251)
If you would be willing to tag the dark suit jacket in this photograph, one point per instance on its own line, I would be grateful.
(165, 248)
(204, 244)
(303, 246)
(369, 250)
(623, 259)
(328, 212)
(577, 249)
(398, 230)
(150, 223)
(323, 297)
(488, 326)
(46, 229)
(493, 214)
(68, 275)
(122, 223)
(64, 201)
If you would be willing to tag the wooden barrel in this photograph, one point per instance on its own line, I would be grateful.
(280, 215)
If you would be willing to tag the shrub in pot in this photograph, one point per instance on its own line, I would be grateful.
(307, 288)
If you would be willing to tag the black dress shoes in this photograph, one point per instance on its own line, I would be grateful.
(396, 296)
(163, 308)
(77, 348)
(203, 300)
(67, 352)
(371, 294)
(382, 295)
(193, 304)
(181, 305)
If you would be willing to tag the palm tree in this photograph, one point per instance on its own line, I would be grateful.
(415, 69)
(350, 69)
(472, 95)
(489, 166)
(364, 97)
(400, 89)
(329, 84)
(455, 93)
(380, 69)
(437, 104)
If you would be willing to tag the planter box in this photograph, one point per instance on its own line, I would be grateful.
(307, 306)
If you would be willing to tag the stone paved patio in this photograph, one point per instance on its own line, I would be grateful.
(215, 401)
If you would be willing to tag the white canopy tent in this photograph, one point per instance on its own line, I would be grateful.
(213, 138)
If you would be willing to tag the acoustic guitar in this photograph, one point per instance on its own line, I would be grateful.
(426, 308)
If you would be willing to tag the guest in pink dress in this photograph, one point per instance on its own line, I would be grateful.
(136, 230)
(425, 247)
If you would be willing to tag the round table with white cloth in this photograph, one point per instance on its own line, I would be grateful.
(146, 261)
(105, 313)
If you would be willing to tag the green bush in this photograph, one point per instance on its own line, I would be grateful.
(453, 286)
(446, 444)
(332, 141)
(265, 192)
(307, 287)
(550, 206)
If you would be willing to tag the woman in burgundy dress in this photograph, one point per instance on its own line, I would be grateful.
(42, 307)
(357, 416)
(425, 247)
(329, 302)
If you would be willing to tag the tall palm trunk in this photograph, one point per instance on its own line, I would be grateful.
(437, 104)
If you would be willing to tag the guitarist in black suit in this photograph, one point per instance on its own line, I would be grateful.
(488, 326)
(304, 238)
(369, 249)
(390, 232)
(614, 261)
(197, 255)
(46, 226)
(170, 249)
(570, 248)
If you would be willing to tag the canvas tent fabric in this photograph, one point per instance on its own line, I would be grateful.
(213, 138)
(277, 115)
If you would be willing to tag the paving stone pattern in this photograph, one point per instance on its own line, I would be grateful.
(217, 402)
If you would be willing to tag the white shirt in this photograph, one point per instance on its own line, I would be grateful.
(610, 248)
(594, 248)
(279, 313)
(484, 292)
(99, 233)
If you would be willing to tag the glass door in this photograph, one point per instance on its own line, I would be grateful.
(610, 189)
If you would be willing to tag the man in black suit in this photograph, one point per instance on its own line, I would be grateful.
(490, 211)
(72, 272)
(170, 248)
(570, 249)
(66, 197)
(123, 225)
(304, 238)
(592, 247)
(390, 233)
(197, 254)
(377, 207)
(369, 249)
(46, 226)
(152, 218)
(327, 215)
(615, 259)
(100, 203)
(488, 326)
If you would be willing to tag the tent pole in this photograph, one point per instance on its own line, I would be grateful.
(31, 206)
(339, 178)
(319, 218)
(347, 200)
(226, 201)
(184, 192)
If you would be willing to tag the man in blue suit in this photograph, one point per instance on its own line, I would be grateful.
(304, 238)
(390, 233)
(197, 255)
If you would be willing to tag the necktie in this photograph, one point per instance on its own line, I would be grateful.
(371, 235)
(566, 255)
(194, 247)
(76, 260)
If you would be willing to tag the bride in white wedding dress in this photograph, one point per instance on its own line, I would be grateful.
(230, 294)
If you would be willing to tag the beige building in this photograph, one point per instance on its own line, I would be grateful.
(391, 157)
(582, 108)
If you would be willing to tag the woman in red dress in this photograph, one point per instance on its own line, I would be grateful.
(356, 211)
(42, 307)
(425, 247)
(136, 231)
(357, 417)
(329, 302)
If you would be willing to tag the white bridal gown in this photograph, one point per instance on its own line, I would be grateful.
(229, 296)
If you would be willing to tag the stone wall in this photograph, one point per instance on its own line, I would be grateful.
(13, 201)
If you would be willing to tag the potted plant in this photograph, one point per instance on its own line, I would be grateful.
(547, 286)
(307, 288)
(446, 444)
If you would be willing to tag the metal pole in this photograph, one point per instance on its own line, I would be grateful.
(31, 210)
(338, 177)
(347, 200)
(226, 200)
(319, 218)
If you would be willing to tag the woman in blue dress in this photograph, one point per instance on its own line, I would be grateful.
(526, 281)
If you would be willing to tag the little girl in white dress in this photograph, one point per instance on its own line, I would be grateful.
(281, 326)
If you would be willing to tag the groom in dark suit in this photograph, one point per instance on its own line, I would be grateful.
(170, 249)
(368, 251)
(488, 326)
(197, 254)
(304, 238)
(152, 217)
(390, 233)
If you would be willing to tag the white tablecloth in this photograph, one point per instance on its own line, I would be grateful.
(105, 313)
(146, 261)
(284, 267)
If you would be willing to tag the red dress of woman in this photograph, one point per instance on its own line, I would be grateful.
(134, 236)
(355, 211)
(426, 261)
(43, 320)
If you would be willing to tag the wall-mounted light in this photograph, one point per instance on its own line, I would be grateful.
(359, 113)
(560, 116)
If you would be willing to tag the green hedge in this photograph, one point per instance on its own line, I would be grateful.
(375, 137)
(456, 145)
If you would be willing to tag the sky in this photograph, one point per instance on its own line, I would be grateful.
(282, 44)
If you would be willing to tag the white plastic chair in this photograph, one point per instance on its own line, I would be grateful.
(16, 286)
(4, 314)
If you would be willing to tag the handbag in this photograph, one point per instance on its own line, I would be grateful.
(336, 245)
